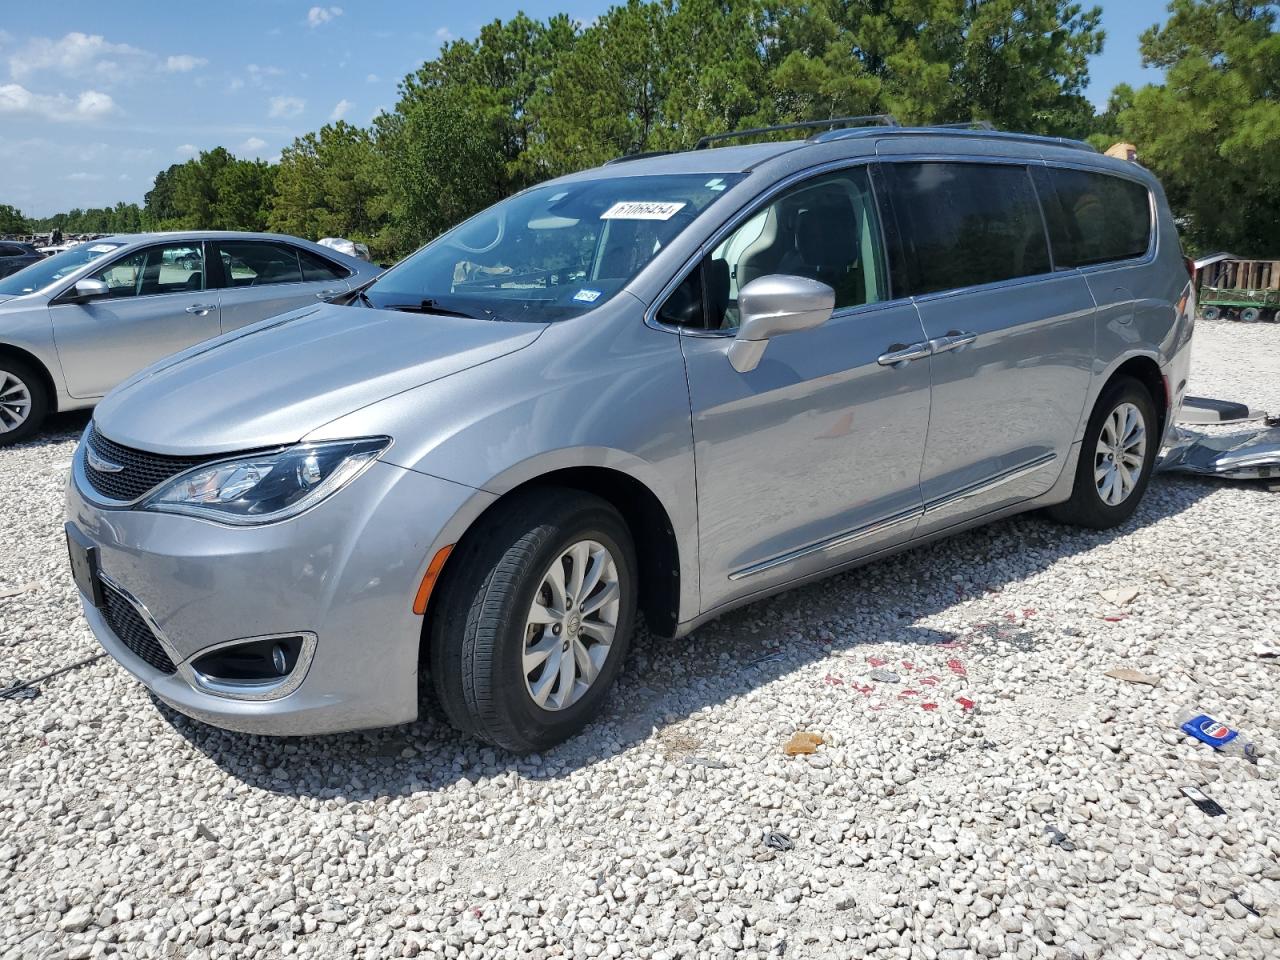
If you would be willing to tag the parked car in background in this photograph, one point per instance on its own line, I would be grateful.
(74, 325)
(350, 247)
(15, 255)
(669, 386)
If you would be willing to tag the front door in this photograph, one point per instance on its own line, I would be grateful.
(263, 278)
(157, 305)
(812, 458)
(1012, 339)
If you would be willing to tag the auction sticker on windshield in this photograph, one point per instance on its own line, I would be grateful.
(642, 210)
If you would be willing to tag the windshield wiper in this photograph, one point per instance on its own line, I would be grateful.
(428, 305)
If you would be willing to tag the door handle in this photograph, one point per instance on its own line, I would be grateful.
(201, 309)
(955, 340)
(899, 355)
(326, 294)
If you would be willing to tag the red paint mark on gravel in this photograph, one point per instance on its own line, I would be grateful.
(1117, 619)
(909, 693)
(956, 667)
(908, 665)
(930, 681)
(865, 691)
(876, 661)
(832, 681)
(928, 706)
(965, 703)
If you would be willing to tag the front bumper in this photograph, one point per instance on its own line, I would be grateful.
(345, 571)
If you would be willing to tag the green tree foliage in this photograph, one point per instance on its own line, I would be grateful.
(1211, 131)
(1022, 64)
(214, 191)
(122, 218)
(332, 184)
(12, 220)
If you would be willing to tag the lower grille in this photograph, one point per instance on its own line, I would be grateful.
(127, 624)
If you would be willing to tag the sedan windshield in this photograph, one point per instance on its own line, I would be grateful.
(44, 272)
(550, 252)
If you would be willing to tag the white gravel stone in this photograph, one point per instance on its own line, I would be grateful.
(127, 829)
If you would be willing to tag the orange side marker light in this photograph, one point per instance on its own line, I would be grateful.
(429, 579)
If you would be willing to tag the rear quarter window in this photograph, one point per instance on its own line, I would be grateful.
(1094, 217)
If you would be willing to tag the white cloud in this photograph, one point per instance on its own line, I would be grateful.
(371, 78)
(235, 84)
(90, 105)
(285, 106)
(92, 56)
(443, 34)
(318, 15)
(252, 145)
(340, 110)
(259, 75)
(123, 177)
(83, 177)
(187, 150)
(183, 63)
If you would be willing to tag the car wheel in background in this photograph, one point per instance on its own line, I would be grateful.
(1250, 314)
(1117, 456)
(536, 610)
(1210, 313)
(24, 400)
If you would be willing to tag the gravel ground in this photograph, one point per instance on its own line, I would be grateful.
(1005, 797)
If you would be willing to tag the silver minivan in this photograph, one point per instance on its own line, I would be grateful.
(665, 387)
(76, 324)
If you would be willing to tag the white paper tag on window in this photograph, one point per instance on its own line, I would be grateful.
(642, 210)
(587, 296)
(102, 248)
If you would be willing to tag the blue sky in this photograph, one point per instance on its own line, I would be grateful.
(96, 98)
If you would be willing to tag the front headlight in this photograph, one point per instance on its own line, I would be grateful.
(269, 486)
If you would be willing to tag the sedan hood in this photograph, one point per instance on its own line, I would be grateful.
(274, 382)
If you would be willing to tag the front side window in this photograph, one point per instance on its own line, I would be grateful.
(825, 229)
(42, 273)
(256, 263)
(1093, 217)
(964, 224)
(170, 268)
(551, 252)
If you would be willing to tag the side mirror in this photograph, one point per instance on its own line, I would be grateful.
(773, 305)
(88, 289)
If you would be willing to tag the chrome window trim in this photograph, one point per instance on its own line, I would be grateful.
(252, 690)
(830, 543)
(741, 216)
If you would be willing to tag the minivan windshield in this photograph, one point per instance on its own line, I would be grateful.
(550, 252)
(44, 272)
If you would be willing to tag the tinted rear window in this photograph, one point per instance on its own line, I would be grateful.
(1094, 218)
(964, 224)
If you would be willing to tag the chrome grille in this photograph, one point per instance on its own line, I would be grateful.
(129, 627)
(140, 471)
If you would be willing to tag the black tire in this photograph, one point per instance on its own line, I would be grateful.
(1087, 508)
(478, 627)
(12, 369)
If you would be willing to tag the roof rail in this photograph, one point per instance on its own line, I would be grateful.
(953, 130)
(967, 125)
(637, 156)
(878, 119)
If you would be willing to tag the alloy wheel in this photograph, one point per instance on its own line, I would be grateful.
(571, 625)
(15, 402)
(1121, 454)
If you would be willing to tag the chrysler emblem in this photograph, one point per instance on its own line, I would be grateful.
(99, 464)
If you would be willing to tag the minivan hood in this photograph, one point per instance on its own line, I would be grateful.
(276, 381)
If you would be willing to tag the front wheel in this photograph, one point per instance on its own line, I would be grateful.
(536, 612)
(24, 401)
(1119, 452)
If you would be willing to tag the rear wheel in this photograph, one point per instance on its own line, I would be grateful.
(24, 401)
(1211, 313)
(1250, 314)
(536, 613)
(1116, 458)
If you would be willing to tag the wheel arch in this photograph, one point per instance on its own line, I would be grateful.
(29, 358)
(1146, 371)
(650, 523)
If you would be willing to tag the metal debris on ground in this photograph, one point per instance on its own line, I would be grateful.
(1208, 410)
(881, 675)
(1133, 676)
(17, 690)
(769, 658)
(1266, 650)
(1251, 456)
(802, 742)
(8, 592)
(26, 689)
(1236, 898)
(778, 841)
(706, 762)
(1203, 801)
(1059, 839)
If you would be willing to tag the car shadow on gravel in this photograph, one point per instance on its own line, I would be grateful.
(667, 682)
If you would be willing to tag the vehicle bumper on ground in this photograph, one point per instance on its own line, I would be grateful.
(342, 575)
